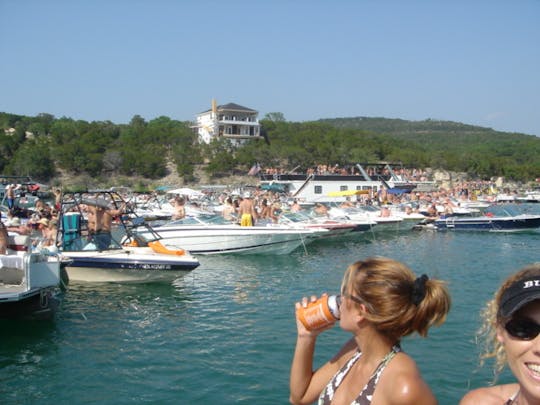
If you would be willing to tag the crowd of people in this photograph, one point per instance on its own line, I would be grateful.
(41, 222)
(375, 172)
(381, 301)
(255, 206)
(41, 225)
(268, 205)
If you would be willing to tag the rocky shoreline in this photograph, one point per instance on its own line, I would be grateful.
(443, 178)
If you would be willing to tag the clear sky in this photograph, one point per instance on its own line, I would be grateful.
(471, 61)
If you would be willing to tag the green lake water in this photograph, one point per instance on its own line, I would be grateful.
(225, 333)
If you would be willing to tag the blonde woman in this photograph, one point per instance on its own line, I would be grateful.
(381, 302)
(511, 328)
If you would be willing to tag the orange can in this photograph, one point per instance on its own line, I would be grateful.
(320, 313)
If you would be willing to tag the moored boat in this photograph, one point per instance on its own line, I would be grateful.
(30, 285)
(207, 235)
(334, 227)
(135, 260)
(322, 187)
(494, 219)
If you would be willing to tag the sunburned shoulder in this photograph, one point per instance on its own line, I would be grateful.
(496, 395)
(401, 383)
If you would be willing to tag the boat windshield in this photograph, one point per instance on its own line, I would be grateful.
(89, 243)
(502, 210)
(296, 216)
(200, 219)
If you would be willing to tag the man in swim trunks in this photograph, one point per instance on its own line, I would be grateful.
(246, 211)
(100, 223)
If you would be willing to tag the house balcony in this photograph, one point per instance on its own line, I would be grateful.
(239, 122)
(240, 136)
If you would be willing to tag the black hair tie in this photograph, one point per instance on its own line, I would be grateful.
(419, 289)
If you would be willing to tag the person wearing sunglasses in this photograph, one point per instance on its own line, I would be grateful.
(511, 324)
(381, 301)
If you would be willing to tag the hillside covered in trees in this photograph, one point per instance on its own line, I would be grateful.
(44, 146)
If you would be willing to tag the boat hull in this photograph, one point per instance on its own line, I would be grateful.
(234, 239)
(127, 266)
(37, 304)
(520, 223)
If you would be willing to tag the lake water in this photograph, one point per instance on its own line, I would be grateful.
(225, 333)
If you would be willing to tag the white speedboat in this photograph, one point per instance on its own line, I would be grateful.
(530, 196)
(127, 265)
(383, 217)
(135, 261)
(30, 285)
(214, 235)
(334, 227)
(406, 212)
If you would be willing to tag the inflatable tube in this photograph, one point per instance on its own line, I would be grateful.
(159, 248)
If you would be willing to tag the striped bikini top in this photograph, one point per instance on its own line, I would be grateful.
(366, 395)
(511, 400)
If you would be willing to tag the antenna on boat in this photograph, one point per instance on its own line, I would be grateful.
(292, 170)
(364, 173)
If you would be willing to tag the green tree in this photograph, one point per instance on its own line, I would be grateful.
(33, 159)
(275, 117)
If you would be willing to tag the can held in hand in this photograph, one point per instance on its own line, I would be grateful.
(320, 313)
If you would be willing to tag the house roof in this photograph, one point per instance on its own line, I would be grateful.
(235, 107)
(232, 107)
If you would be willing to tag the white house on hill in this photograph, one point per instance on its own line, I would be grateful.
(231, 121)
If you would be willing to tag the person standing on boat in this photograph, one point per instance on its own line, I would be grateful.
(381, 302)
(100, 219)
(179, 204)
(246, 211)
(320, 210)
(10, 196)
(511, 325)
(228, 211)
(295, 207)
(57, 199)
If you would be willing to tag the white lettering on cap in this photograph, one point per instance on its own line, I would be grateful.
(531, 283)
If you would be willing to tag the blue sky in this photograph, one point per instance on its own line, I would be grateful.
(471, 61)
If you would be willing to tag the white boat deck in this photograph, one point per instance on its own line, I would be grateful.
(6, 289)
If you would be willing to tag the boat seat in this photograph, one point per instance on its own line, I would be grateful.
(71, 231)
(19, 243)
(11, 270)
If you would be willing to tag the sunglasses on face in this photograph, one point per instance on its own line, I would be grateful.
(523, 329)
(351, 297)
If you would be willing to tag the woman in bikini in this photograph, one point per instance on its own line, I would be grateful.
(381, 301)
(511, 327)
